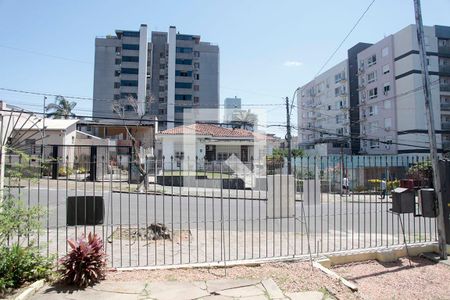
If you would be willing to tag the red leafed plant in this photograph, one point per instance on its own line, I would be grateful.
(85, 264)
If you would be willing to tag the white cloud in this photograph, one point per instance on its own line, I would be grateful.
(293, 63)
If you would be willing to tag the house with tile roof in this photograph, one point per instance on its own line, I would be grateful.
(211, 142)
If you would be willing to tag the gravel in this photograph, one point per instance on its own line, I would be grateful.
(290, 277)
(397, 280)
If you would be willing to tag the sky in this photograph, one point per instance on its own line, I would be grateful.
(267, 48)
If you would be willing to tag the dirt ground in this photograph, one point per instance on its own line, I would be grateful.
(397, 280)
(290, 277)
(375, 280)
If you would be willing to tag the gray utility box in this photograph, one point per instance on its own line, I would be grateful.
(428, 203)
(403, 201)
(85, 210)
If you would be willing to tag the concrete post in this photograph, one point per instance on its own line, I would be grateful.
(280, 196)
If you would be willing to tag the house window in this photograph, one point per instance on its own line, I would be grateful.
(386, 88)
(386, 69)
(385, 51)
(372, 60)
(371, 77)
(373, 93)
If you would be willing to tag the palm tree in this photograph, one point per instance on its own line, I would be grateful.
(62, 108)
(245, 118)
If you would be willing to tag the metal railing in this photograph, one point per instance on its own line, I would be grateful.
(168, 213)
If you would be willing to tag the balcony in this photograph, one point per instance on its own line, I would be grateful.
(445, 106)
(444, 87)
(444, 49)
(446, 125)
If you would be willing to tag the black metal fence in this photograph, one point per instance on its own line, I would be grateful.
(168, 211)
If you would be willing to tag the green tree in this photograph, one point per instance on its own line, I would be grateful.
(62, 108)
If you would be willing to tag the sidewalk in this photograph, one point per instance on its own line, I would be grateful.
(211, 289)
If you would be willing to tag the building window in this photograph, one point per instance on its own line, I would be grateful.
(118, 50)
(183, 73)
(371, 77)
(387, 123)
(130, 58)
(386, 69)
(162, 88)
(185, 37)
(162, 66)
(116, 85)
(162, 77)
(180, 61)
(129, 83)
(183, 85)
(338, 77)
(197, 77)
(130, 46)
(197, 65)
(373, 93)
(196, 99)
(196, 54)
(196, 87)
(373, 110)
(131, 33)
(183, 50)
(117, 73)
(129, 71)
(387, 88)
(161, 111)
(372, 60)
(385, 51)
(116, 96)
(387, 104)
(161, 99)
(118, 61)
(183, 97)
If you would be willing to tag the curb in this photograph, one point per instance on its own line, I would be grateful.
(334, 275)
(31, 290)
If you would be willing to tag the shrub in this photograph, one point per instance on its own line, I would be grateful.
(85, 264)
(65, 171)
(17, 220)
(21, 264)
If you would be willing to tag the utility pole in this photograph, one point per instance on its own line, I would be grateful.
(431, 130)
(288, 136)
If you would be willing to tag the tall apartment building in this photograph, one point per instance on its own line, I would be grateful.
(387, 111)
(323, 111)
(231, 105)
(166, 75)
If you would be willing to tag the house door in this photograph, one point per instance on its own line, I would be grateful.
(210, 153)
(244, 153)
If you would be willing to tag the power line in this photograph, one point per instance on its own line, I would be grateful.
(48, 94)
(47, 55)
(345, 38)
